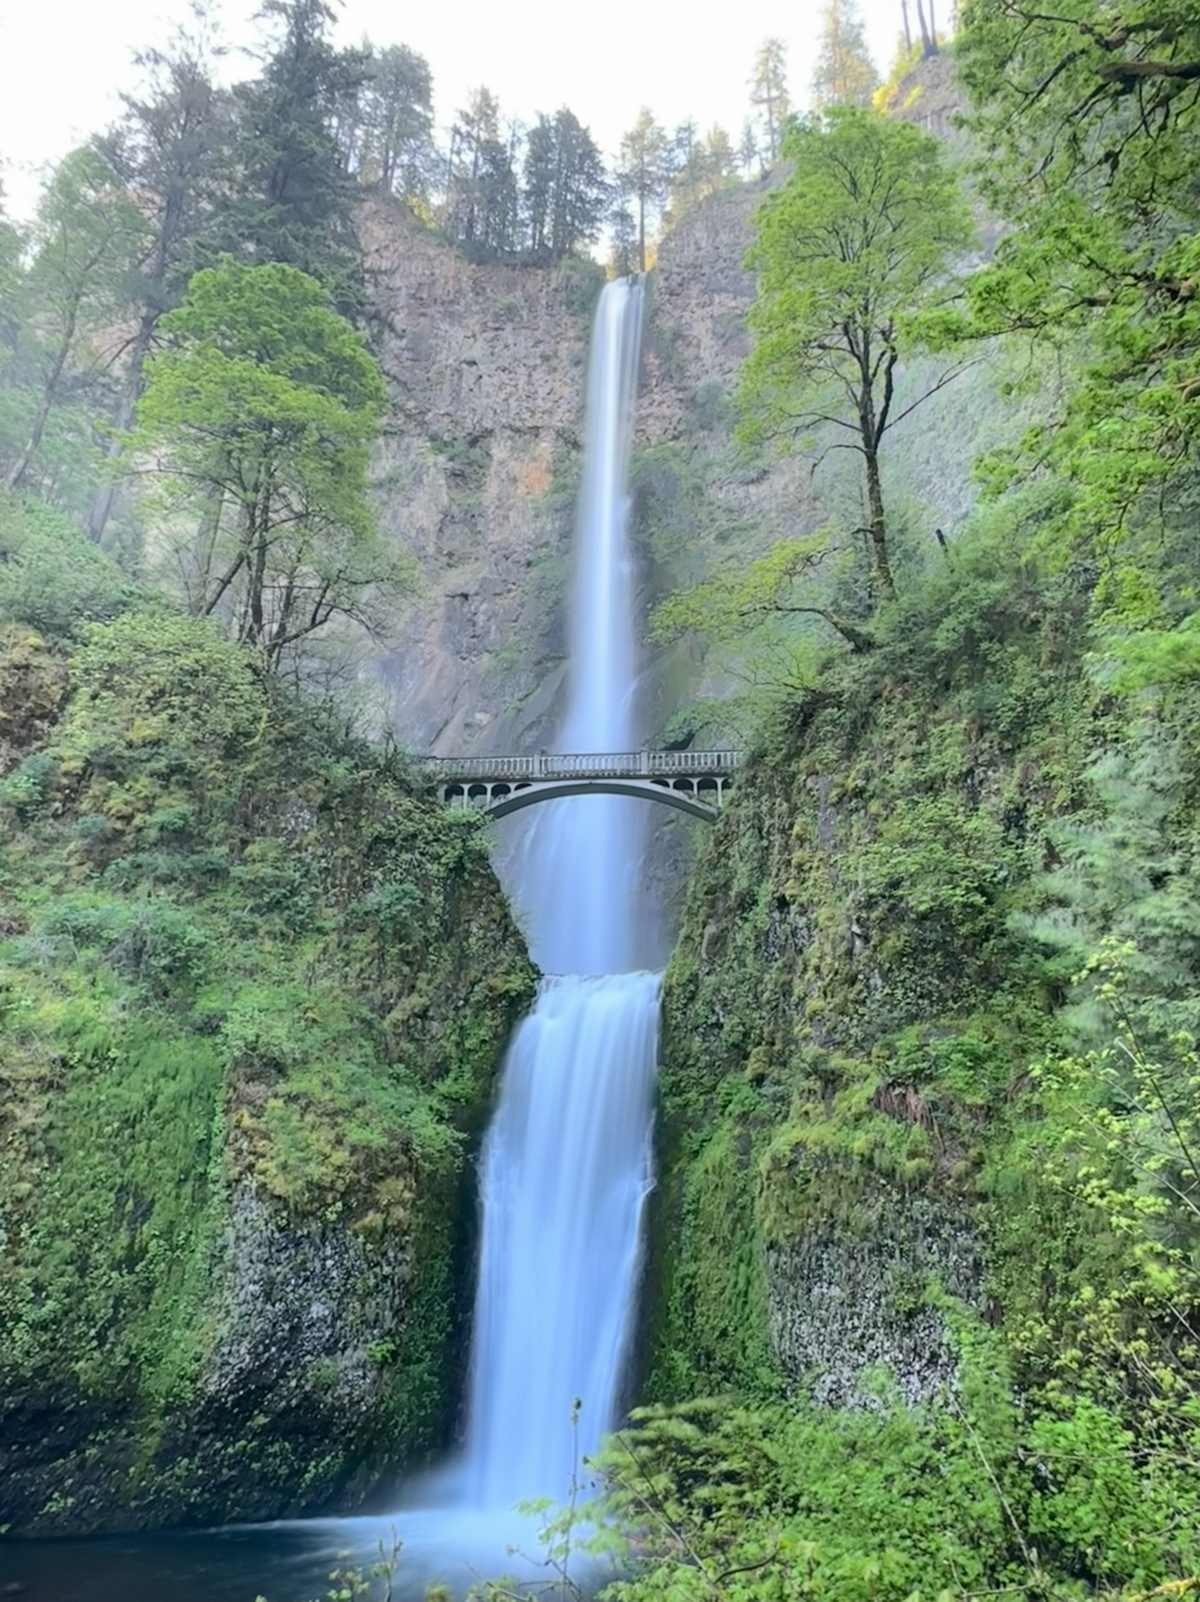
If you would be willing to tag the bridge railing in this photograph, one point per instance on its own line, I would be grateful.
(578, 765)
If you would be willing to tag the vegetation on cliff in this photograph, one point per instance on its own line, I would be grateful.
(253, 989)
(927, 1224)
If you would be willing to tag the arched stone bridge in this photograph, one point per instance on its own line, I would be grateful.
(691, 781)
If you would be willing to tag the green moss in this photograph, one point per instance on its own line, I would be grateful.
(244, 964)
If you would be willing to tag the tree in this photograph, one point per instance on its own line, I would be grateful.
(170, 152)
(748, 159)
(768, 91)
(623, 255)
(264, 407)
(88, 238)
(292, 199)
(397, 123)
(565, 188)
(858, 241)
(644, 173)
(476, 130)
(845, 74)
(700, 168)
(1090, 133)
(929, 44)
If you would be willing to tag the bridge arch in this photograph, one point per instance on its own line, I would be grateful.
(521, 796)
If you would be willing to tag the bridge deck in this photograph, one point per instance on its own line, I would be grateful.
(581, 765)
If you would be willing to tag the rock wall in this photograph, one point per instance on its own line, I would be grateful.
(254, 990)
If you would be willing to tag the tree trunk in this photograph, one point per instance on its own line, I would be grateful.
(642, 229)
(17, 477)
(928, 44)
(102, 501)
(878, 527)
(907, 26)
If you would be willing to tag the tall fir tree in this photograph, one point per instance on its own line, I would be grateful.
(769, 92)
(844, 75)
(397, 154)
(293, 199)
(644, 174)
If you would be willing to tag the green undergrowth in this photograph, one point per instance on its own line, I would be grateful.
(242, 956)
(930, 1074)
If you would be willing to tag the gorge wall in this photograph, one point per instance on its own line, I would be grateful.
(254, 993)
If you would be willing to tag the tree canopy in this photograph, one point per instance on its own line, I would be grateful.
(256, 422)
(849, 251)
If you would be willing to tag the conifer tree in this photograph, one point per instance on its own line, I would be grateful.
(748, 159)
(397, 123)
(845, 74)
(476, 127)
(293, 198)
(768, 91)
(644, 174)
(564, 187)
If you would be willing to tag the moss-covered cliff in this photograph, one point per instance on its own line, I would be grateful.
(253, 991)
(904, 1154)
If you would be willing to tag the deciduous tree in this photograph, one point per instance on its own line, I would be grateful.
(88, 239)
(261, 411)
(170, 151)
(859, 239)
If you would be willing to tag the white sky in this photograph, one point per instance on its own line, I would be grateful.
(63, 62)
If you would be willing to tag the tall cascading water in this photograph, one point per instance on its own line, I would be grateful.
(566, 1167)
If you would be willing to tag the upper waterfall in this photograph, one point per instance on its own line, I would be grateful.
(577, 875)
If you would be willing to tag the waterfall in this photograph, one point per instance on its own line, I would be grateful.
(566, 1165)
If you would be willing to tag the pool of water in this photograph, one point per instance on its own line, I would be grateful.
(285, 1562)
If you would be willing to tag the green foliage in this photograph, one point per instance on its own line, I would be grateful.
(51, 577)
(241, 964)
(1101, 259)
(259, 417)
(849, 251)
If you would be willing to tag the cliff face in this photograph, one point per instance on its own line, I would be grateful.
(480, 465)
(477, 472)
(850, 1012)
(253, 992)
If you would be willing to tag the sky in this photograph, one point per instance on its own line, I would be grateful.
(64, 62)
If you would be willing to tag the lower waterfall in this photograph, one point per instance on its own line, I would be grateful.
(565, 1173)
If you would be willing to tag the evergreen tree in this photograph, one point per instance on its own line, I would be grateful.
(623, 257)
(293, 199)
(644, 174)
(582, 190)
(768, 91)
(845, 74)
(170, 151)
(702, 166)
(747, 154)
(397, 123)
(476, 128)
